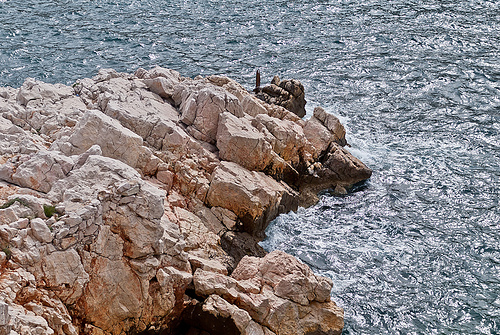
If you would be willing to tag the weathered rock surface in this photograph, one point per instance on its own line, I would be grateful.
(278, 292)
(252, 196)
(286, 93)
(132, 202)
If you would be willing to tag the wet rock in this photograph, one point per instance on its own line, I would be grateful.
(340, 167)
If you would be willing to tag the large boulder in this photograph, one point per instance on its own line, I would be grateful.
(278, 292)
(338, 167)
(322, 129)
(240, 142)
(38, 171)
(332, 123)
(160, 80)
(34, 93)
(115, 140)
(254, 197)
(200, 105)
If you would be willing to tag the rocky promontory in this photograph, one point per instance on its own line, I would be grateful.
(133, 204)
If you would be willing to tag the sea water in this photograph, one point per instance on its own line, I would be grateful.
(416, 249)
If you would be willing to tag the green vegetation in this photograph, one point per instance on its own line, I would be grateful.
(49, 210)
(12, 201)
(7, 252)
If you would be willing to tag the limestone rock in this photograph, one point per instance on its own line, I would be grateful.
(64, 272)
(160, 81)
(288, 139)
(278, 292)
(318, 135)
(289, 278)
(252, 105)
(254, 197)
(14, 140)
(218, 308)
(238, 141)
(200, 105)
(339, 167)
(155, 177)
(38, 171)
(4, 314)
(34, 91)
(114, 140)
(41, 231)
(82, 158)
(332, 123)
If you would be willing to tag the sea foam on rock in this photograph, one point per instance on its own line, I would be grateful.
(134, 203)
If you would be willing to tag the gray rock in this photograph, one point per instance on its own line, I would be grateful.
(114, 140)
(41, 231)
(4, 314)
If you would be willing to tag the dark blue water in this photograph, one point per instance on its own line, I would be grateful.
(416, 250)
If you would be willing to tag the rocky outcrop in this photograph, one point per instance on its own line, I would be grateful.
(252, 196)
(134, 203)
(281, 294)
(289, 94)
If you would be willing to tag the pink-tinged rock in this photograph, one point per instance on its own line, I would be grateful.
(332, 123)
(208, 282)
(278, 292)
(64, 272)
(290, 278)
(240, 142)
(289, 139)
(318, 135)
(200, 105)
(40, 171)
(115, 140)
(322, 129)
(254, 197)
(14, 140)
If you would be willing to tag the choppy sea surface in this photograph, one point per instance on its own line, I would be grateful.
(416, 249)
